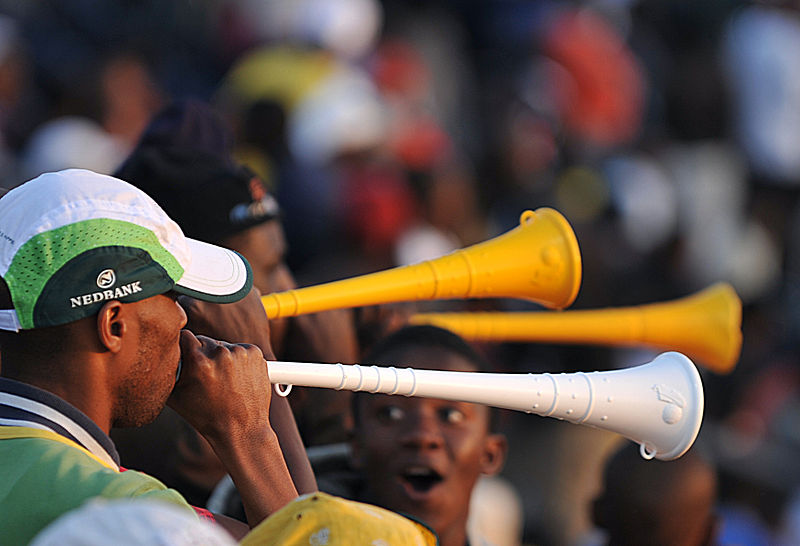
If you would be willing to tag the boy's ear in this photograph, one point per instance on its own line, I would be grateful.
(356, 452)
(494, 454)
(111, 326)
(356, 456)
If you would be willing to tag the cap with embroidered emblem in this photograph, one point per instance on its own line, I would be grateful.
(72, 240)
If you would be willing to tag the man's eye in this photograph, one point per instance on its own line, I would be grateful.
(451, 415)
(390, 414)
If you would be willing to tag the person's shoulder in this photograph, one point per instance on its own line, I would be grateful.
(133, 483)
(67, 472)
(44, 478)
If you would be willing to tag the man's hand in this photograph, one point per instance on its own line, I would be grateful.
(223, 389)
(246, 322)
(224, 393)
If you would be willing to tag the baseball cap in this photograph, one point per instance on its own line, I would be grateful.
(184, 160)
(319, 518)
(71, 240)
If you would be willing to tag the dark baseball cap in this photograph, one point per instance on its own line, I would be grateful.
(184, 161)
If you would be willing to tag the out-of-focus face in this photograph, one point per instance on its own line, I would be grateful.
(264, 246)
(423, 456)
(148, 381)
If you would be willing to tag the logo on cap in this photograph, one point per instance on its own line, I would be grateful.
(106, 278)
(256, 187)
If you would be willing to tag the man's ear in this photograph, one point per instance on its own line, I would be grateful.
(494, 454)
(111, 325)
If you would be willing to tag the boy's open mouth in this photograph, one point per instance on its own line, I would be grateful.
(421, 479)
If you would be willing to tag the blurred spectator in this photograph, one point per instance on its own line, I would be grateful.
(599, 92)
(658, 503)
(22, 106)
(71, 142)
(296, 111)
(765, 85)
(129, 97)
(720, 241)
(346, 28)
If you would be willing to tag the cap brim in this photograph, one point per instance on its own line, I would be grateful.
(215, 274)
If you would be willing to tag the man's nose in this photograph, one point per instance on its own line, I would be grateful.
(183, 317)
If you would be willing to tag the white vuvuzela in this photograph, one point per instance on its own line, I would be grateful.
(658, 405)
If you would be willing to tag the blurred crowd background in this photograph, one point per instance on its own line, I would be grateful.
(667, 132)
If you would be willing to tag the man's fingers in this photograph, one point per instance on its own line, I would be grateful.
(189, 343)
(196, 348)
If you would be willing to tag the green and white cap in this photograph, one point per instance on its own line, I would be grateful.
(74, 239)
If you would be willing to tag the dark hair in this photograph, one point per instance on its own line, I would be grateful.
(422, 337)
(428, 337)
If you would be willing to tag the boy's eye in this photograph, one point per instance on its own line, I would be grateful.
(451, 415)
(390, 414)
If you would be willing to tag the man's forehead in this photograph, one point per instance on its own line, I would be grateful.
(265, 242)
(274, 234)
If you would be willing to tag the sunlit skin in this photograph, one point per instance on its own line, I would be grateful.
(264, 246)
(119, 368)
(421, 456)
(147, 383)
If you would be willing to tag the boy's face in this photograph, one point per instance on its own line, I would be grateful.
(422, 456)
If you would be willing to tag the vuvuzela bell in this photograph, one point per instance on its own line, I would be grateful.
(705, 326)
(539, 260)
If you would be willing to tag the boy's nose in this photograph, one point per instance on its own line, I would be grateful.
(422, 432)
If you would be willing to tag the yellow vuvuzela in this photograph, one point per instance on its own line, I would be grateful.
(706, 326)
(538, 260)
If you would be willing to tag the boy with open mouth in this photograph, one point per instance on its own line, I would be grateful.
(422, 457)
